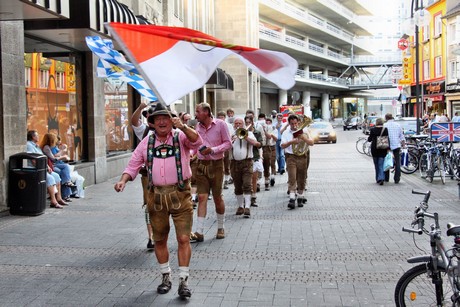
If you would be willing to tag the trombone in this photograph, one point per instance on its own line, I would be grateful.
(242, 133)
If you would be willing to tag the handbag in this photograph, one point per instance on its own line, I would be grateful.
(388, 161)
(382, 141)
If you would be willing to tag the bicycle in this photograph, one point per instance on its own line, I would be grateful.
(436, 281)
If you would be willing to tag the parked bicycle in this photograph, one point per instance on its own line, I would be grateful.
(436, 280)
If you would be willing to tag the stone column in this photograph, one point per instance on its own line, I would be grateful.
(306, 103)
(283, 94)
(325, 110)
(96, 116)
(13, 111)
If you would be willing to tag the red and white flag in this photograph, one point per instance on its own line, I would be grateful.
(176, 61)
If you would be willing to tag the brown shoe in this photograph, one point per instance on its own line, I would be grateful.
(247, 212)
(198, 237)
(220, 233)
(239, 211)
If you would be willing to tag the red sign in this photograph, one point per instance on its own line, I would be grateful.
(286, 109)
(403, 44)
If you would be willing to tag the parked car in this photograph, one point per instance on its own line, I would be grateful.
(353, 122)
(369, 123)
(322, 132)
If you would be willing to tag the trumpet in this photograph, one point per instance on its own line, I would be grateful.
(242, 133)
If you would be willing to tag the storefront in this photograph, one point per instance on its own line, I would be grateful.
(453, 98)
(432, 99)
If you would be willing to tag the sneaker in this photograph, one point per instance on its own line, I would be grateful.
(253, 202)
(291, 204)
(220, 233)
(198, 237)
(272, 181)
(225, 184)
(240, 211)
(247, 212)
(209, 197)
(165, 284)
(300, 202)
(230, 181)
(184, 291)
(266, 187)
(150, 244)
(304, 200)
(282, 172)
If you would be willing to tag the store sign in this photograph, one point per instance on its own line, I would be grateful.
(433, 88)
(406, 71)
(453, 87)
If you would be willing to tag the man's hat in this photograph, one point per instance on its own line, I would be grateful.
(159, 109)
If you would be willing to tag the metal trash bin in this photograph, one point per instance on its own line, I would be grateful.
(27, 183)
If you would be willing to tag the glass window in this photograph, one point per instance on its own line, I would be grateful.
(426, 33)
(437, 25)
(118, 131)
(438, 67)
(52, 104)
(426, 69)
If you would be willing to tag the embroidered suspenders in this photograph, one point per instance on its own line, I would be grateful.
(177, 154)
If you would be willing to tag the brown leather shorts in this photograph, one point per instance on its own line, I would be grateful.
(165, 201)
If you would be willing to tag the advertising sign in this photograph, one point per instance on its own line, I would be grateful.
(286, 109)
(445, 132)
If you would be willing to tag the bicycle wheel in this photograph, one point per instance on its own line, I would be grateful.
(415, 288)
(359, 145)
(441, 169)
(423, 165)
(412, 164)
(367, 148)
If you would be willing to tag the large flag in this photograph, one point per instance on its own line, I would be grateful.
(176, 61)
(113, 65)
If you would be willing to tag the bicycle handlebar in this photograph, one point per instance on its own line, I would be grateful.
(417, 231)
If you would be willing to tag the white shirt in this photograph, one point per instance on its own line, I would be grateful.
(241, 149)
(287, 137)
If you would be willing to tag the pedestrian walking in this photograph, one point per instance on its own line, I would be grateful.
(396, 138)
(166, 150)
(378, 155)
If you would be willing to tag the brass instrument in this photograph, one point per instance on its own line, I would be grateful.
(242, 133)
(301, 148)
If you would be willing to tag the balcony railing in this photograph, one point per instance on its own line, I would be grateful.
(309, 18)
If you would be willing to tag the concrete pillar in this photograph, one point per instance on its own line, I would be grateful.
(306, 103)
(13, 109)
(325, 110)
(283, 94)
(96, 117)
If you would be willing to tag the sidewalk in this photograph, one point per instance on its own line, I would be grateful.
(344, 248)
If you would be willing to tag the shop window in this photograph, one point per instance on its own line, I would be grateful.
(118, 131)
(52, 104)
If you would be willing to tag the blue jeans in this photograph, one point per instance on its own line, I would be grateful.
(64, 172)
(280, 156)
(378, 165)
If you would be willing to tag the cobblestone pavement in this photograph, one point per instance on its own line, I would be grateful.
(345, 248)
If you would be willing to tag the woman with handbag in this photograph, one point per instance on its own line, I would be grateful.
(379, 147)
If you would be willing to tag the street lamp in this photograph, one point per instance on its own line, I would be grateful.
(421, 17)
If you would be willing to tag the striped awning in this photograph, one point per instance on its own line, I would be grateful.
(110, 11)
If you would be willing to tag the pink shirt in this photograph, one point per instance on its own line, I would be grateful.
(217, 137)
(164, 171)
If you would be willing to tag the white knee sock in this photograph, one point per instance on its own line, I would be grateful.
(200, 224)
(292, 195)
(220, 221)
(183, 272)
(165, 268)
(240, 200)
(247, 200)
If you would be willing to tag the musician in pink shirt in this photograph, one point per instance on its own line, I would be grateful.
(166, 153)
(210, 170)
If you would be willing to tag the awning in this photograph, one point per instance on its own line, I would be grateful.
(34, 9)
(111, 11)
(220, 80)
